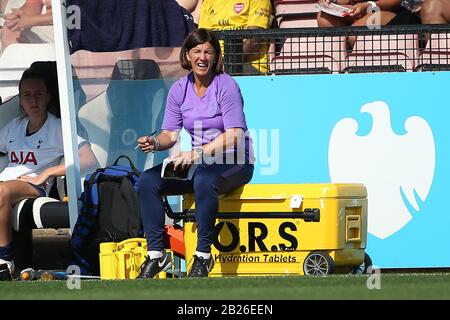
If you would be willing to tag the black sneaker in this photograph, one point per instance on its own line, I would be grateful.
(151, 267)
(6, 270)
(201, 267)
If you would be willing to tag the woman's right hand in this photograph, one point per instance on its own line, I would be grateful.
(147, 144)
(38, 180)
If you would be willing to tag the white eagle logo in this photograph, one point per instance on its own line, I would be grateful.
(393, 167)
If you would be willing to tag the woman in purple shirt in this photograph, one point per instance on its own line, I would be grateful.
(209, 105)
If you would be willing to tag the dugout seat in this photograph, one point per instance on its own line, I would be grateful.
(29, 214)
(43, 212)
(131, 106)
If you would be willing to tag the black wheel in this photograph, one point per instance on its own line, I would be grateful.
(318, 263)
(365, 267)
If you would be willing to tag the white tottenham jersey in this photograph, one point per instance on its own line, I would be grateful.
(33, 154)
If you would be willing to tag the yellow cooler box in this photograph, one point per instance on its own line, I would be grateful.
(122, 260)
(279, 229)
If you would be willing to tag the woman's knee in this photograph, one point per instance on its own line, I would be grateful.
(321, 22)
(325, 20)
(150, 180)
(205, 182)
(430, 8)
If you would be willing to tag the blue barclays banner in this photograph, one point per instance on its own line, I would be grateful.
(388, 131)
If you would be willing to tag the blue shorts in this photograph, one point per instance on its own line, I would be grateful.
(39, 189)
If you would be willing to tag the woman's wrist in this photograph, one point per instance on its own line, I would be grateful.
(47, 173)
(157, 144)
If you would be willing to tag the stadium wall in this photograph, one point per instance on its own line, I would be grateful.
(389, 131)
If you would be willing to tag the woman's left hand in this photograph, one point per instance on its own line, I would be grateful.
(38, 180)
(359, 10)
(184, 159)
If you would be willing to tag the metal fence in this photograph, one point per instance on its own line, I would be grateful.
(337, 50)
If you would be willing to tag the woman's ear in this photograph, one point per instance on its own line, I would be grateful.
(187, 56)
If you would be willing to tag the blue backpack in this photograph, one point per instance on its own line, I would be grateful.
(109, 213)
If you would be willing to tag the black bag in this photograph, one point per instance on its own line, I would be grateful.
(109, 213)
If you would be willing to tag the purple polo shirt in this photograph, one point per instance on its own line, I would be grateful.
(204, 118)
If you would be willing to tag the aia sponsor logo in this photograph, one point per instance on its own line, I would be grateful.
(238, 7)
(23, 157)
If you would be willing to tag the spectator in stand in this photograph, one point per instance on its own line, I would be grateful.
(245, 14)
(31, 23)
(391, 12)
(193, 6)
(434, 11)
(190, 5)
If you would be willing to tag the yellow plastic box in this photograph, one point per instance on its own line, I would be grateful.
(121, 260)
(278, 229)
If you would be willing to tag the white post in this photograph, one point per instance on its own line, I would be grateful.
(68, 114)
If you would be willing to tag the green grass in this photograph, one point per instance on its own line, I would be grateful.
(393, 286)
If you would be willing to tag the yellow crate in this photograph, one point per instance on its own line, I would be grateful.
(121, 260)
(259, 230)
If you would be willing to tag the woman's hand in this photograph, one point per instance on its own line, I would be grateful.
(17, 21)
(147, 144)
(38, 180)
(12, 18)
(359, 10)
(12, 15)
(184, 159)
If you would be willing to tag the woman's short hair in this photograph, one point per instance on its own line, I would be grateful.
(201, 36)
